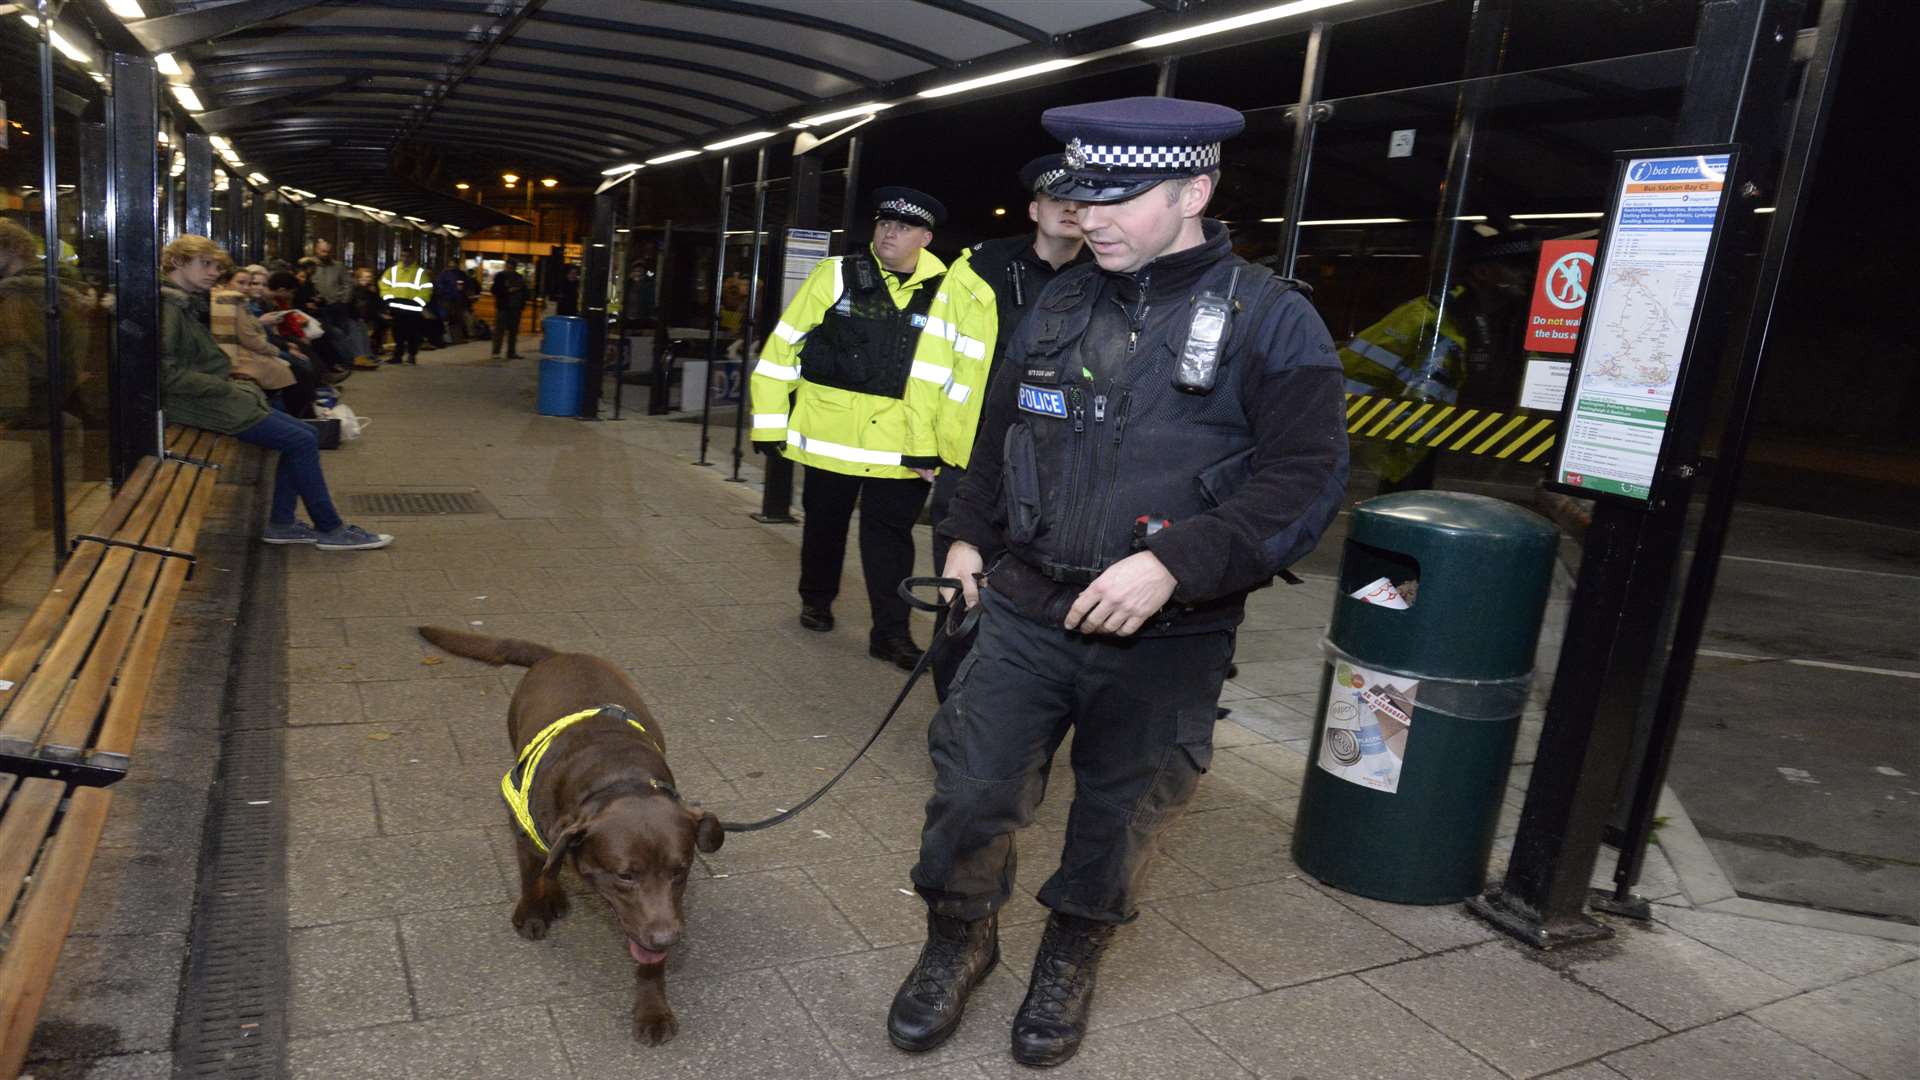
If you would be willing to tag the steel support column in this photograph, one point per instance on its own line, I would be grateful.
(199, 177)
(747, 319)
(133, 251)
(1308, 113)
(851, 235)
(55, 367)
(713, 327)
(1618, 626)
(596, 267)
(803, 212)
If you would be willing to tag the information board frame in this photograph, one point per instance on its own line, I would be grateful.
(1591, 330)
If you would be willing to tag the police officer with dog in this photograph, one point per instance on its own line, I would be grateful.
(1164, 435)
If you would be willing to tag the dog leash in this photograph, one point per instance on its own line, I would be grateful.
(943, 613)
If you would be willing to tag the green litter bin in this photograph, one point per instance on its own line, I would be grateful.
(1426, 677)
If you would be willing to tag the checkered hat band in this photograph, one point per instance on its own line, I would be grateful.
(902, 206)
(1151, 158)
(1048, 177)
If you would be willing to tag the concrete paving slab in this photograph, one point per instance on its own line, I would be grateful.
(770, 768)
(1238, 846)
(1867, 1026)
(1509, 1009)
(848, 996)
(1592, 1070)
(1430, 928)
(1152, 1050)
(512, 1044)
(350, 749)
(892, 813)
(110, 995)
(136, 891)
(1270, 719)
(156, 814)
(1733, 1049)
(324, 703)
(1038, 852)
(305, 633)
(1283, 932)
(470, 959)
(331, 808)
(1668, 977)
(347, 975)
(1151, 969)
(1802, 956)
(1905, 978)
(876, 895)
(475, 699)
(334, 881)
(422, 800)
(732, 1027)
(750, 921)
(1340, 1029)
(1301, 643)
(824, 834)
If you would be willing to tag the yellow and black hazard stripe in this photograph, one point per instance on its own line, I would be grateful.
(1517, 436)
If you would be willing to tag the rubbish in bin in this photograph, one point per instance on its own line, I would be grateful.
(1369, 714)
(1381, 592)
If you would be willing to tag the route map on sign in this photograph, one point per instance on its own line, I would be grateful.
(1639, 317)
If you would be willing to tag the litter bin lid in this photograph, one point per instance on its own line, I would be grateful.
(1456, 512)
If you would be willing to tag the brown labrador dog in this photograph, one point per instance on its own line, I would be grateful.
(604, 793)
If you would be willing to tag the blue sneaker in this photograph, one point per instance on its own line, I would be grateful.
(298, 532)
(351, 538)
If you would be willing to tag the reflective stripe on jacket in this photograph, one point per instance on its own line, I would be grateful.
(406, 288)
(1385, 359)
(868, 434)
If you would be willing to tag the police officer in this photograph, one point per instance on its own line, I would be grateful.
(1016, 269)
(852, 383)
(1165, 434)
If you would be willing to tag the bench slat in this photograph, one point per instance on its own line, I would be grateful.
(20, 834)
(40, 932)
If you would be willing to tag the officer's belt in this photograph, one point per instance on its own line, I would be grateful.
(516, 787)
(1065, 574)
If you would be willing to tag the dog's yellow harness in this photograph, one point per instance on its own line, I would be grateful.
(517, 786)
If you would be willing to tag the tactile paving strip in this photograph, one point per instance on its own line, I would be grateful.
(402, 503)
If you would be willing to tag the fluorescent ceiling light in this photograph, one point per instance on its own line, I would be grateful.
(677, 155)
(336, 202)
(1237, 22)
(166, 63)
(1005, 76)
(1359, 221)
(868, 109)
(185, 95)
(258, 179)
(1763, 209)
(297, 193)
(740, 140)
(623, 167)
(415, 220)
(126, 9)
(1559, 217)
(220, 142)
(163, 138)
(60, 41)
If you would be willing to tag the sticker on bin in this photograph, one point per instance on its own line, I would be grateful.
(1369, 715)
(1381, 592)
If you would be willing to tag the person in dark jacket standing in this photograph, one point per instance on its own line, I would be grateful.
(1165, 435)
(1017, 269)
(509, 297)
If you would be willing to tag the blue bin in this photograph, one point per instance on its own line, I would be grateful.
(563, 335)
(562, 381)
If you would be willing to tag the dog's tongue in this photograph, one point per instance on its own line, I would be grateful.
(644, 956)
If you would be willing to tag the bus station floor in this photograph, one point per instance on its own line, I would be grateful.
(603, 537)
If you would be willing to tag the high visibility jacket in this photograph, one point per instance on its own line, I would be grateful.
(406, 287)
(872, 434)
(1386, 359)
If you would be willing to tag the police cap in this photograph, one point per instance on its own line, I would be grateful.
(1041, 171)
(906, 204)
(1118, 149)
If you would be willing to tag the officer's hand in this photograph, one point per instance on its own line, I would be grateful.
(770, 447)
(963, 562)
(1123, 597)
(924, 474)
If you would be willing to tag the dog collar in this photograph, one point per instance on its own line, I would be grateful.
(516, 787)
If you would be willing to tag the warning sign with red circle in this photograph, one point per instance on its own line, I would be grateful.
(1560, 295)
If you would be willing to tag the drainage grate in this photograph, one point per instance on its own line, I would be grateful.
(399, 503)
(233, 1003)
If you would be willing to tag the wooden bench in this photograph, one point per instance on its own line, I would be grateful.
(72, 687)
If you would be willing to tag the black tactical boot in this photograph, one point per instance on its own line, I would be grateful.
(957, 955)
(1053, 1019)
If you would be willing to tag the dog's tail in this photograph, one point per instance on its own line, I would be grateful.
(490, 650)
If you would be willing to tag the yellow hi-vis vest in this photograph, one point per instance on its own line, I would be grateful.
(859, 434)
(517, 786)
(406, 288)
(1382, 360)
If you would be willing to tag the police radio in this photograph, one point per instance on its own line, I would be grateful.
(1199, 364)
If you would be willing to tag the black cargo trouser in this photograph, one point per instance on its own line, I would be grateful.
(889, 508)
(1142, 714)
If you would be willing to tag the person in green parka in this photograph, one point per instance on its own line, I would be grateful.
(197, 388)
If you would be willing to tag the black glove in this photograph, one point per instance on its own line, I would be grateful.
(771, 447)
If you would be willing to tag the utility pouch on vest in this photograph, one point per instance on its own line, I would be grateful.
(1199, 363)
(1022, 485)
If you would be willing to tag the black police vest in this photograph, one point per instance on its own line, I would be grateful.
(865, 344)
(1087, 459)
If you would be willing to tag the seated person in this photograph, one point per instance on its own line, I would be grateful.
(304, 327)
(195, 389)
(245, 340)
